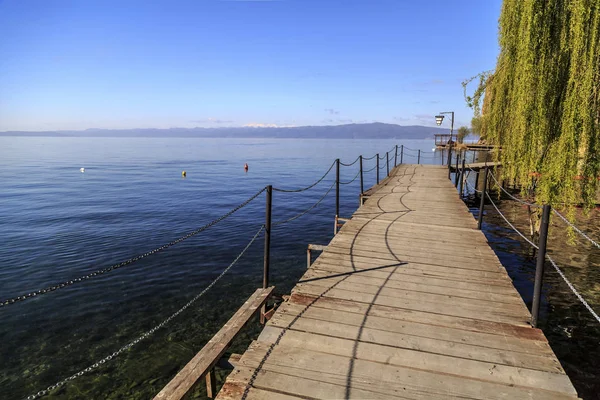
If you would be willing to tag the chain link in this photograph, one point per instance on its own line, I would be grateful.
(575, 292)
(576, 229)
(307, 210)
(146, 334)
(353, 179)
(369, 170)
(129, 261)
(369, 158)
(508, 222)
(308, 187)
(352, 163)
(511, 196)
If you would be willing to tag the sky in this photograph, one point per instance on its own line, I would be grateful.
(74, 65)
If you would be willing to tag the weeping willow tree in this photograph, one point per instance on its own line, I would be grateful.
(542, 101)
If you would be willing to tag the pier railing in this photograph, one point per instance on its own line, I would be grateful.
(203, 364)
(540, 246)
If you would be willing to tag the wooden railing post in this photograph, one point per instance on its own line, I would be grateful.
(401, 154)
(482, 200)
(462, 178)
(419, 157)
(377, 168)
(362, 187)
(267, 250)
(396, 157)
(539, 267)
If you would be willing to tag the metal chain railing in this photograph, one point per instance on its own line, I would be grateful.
(576, 229)
(146, 334)
(575, 292)
(351, 164)
(129, 261)
(554, 264)
(371, 169)
(513, 197)
(508, 222)
(307, 210)
(472, 187)
(307, 187)
(369, 158)
(353, 179)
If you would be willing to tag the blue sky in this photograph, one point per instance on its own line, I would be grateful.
(209, 63)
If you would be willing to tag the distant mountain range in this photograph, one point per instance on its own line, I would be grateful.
(375, 130)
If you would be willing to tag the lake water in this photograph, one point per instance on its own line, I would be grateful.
(57, 224)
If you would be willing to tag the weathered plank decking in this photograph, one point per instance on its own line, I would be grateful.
(407, 301)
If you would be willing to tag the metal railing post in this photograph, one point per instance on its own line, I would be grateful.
(482, 201)
(401, 154)
(337, 188)
(456, 172)
(449, 157)
(396, 157)
(419, 157)
(539, 267)
(377, 168)
(462, 178)
(362, 188)
(387, 160)
(267, 252)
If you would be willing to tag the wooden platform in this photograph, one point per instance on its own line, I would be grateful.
(408, 301)
(478, 165)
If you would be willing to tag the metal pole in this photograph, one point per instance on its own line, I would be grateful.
(474, 154)
(267, 255)
(362, 188)
(387, 160)
(539, 267)
(377, 168)
(462, 178)
(337, 187)
(396, 156)
(442, 157)
(482, 202)
(401, 154)
(456, 172)
(450, 145)
(419, 157)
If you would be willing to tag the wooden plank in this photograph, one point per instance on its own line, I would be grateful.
(544, 376)
(210, 354)
(379, 377)
(499, 339)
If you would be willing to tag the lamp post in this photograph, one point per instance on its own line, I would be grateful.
(438, 120)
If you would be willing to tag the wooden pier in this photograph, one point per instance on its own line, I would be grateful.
(407, 301)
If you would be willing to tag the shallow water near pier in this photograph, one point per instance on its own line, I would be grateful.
(57, 223)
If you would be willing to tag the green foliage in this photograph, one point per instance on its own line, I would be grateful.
(462, 133)
(542, 103)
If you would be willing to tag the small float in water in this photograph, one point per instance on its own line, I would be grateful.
(82, 170)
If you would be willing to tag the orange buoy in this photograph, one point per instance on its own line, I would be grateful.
(246, 167)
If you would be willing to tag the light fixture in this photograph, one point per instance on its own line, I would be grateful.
(439, 119)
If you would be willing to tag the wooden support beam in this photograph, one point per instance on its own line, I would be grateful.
(207, 358)
(211, 384)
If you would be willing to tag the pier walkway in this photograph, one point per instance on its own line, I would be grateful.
(407, 301)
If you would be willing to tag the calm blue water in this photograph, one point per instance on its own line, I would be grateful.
(57, 224)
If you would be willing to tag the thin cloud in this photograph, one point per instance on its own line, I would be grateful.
(211, 121)
(332, 111)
